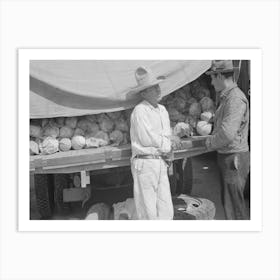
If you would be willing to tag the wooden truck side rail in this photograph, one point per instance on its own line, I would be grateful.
(102, 158)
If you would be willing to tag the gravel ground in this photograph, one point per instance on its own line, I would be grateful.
(206, 185)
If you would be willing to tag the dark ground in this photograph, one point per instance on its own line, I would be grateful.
(206, 185)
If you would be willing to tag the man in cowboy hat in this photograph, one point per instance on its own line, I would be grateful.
(230, 138)
(151, 142)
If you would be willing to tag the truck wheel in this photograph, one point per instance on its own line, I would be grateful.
(185, 181)
(99, 211)
(200, 208)
(44, 194)
(61, 182)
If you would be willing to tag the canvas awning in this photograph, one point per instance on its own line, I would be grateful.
(81, 87)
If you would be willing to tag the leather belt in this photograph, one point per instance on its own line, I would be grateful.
(148, 156)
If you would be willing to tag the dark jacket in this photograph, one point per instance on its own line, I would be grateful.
(231, 123)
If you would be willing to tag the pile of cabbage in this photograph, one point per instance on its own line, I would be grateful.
(48, 136)
(191, 110)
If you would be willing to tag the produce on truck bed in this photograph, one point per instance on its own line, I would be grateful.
(49, 146)
(116, 137)
(104, 138)
(92, 142)
(78, 142)
(105, 123)
(190, 109)
(65, 144)
(206, 116)
(35, 131)
(51, 130)
(79, 131)
(71, 122)
(182, 129)
(33, 148)
(207, 104)
(66, 132)
(203, 128)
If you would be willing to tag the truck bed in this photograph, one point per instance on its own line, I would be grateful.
(103, 157)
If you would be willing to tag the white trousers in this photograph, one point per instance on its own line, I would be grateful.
(152, 194)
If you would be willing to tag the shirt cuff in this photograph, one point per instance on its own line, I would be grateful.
(165, 145)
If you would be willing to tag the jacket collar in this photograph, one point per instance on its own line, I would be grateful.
(226, 91)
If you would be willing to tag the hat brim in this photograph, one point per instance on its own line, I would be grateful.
(221, 71)
(141, 88)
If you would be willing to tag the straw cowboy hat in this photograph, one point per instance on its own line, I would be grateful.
(222, 66)
(145, 79)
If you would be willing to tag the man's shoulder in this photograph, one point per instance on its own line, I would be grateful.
(162, 107)
(237, 94)
(139, 107)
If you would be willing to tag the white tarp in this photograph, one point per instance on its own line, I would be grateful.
(80, 87)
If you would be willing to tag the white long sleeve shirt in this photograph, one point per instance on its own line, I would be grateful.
(150, 130)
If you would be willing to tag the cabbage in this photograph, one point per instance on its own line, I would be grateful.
(191, 100)
(103, 136)
(49, 146)
(83, 124)
(51, 130)
(79, 131)
(195, 85)
(93, 128)
(182, 129)
(175, 116)
(121, 125)
(179, 103)
(44, 122)
(200, 93)
(91, 118)
(106, 124)
(184, 93)
(71, 122)
(66, 132)
(207, 104)
(65, 144)
(116, 137)
(92, 142)
(35, 131)
(78, 142)
(114, 115)
(203, 128)
(126, 138)
(33, 148)
(206, 116)
(192, 121)
(195, 110)
(100, 117)
(59, 121)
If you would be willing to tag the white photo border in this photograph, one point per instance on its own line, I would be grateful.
(24, 222)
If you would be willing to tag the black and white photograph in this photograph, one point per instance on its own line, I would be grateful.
(140, 139)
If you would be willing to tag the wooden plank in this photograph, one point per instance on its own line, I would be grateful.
(101, 158)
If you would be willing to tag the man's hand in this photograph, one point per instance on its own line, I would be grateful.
(175, 142)
(208, 144)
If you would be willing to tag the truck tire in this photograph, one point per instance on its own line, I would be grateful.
(44, 194)
(61, 182)
(99, 211)
(185, 180)
(200, 208)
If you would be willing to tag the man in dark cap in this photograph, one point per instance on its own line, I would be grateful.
(230, 138)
